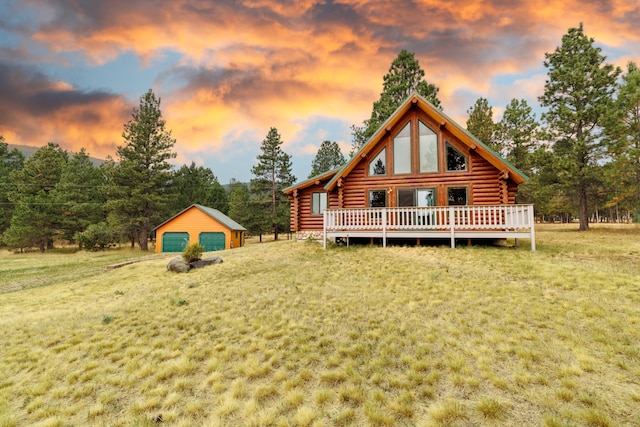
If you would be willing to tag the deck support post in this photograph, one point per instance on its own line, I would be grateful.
(324, 229)
(532, 223)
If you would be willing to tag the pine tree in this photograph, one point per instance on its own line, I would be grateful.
(480, 123)
(578, 92)
(327, 158)
(239, 203)
(272, 175)
(623, 143)
(404, 77)
(139, 185)
(78, 195)
(37, 218)
(197, 184)
(517, 133)
(10, 160)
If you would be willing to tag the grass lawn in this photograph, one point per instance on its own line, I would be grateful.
(284, 333)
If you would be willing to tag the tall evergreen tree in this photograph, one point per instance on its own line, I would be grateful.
(272, 175)
(517, 136)
(517, 133)
(623, 143)
(480, 122)
(245, 208)
(37, 217)
(327, 158)
(197, 184)
(577, 93)
(10, 160)
(404, 77)
(239, 199)
(139, 188)
(78, 195)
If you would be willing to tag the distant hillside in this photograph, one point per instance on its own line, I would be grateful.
(28, 150)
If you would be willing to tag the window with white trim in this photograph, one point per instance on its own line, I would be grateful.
(318, 203)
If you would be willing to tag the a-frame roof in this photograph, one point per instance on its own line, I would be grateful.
(213, 213)
(445, 122)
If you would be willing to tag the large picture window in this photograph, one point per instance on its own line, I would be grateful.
(416, 197)
(377, 198)
(457, 196)
(378, 166)
(456, 161)
(428, 147)
(402, 151)
(406, 197)
(426, 197)
(318, 203)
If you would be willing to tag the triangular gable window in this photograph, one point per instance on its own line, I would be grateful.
(456, 161)
(378, 166)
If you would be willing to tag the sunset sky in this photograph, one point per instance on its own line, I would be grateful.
(71, 71)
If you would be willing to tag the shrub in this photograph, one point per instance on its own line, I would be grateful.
(179, 302)
(97, 237)
(192, 252)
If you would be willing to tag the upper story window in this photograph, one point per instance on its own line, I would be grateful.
(428, 147)
(378, 166)
(456, 161)
(402, 151)
(318, 203)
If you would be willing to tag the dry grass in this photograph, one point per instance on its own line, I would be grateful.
(284, 333)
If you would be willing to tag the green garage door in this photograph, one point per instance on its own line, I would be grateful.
(174, 242)
(212, 241)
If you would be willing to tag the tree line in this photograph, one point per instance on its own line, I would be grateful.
(582, 157)
(58, 196)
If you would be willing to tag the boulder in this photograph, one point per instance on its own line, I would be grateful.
(204, 262)
(178, 265)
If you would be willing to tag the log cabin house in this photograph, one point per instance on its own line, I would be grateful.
(420, 176)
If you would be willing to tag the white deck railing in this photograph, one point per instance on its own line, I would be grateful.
(456, 221)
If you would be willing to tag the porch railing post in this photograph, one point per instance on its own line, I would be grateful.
(384, 227)
(453, 226)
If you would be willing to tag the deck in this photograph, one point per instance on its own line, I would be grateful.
(436, 222)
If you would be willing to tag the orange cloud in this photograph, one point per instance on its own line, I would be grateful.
(245, 66)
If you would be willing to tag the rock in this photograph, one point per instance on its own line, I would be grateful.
(204, 262)
(178, 265)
